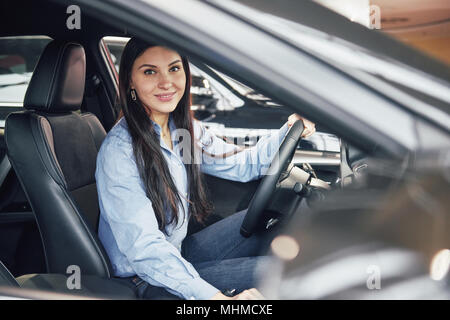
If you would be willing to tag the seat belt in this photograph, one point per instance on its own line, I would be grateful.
(92, 98)
(93, 102)
(5, 167)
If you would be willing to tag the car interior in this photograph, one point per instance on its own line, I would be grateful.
(63, 104)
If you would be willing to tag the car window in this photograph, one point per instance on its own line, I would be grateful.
(18, 58)
(230, 109)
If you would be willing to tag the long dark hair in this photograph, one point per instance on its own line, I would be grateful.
(152, 166)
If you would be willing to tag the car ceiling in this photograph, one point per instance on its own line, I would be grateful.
(27, 17)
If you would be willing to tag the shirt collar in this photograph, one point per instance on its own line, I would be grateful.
(171, 125)
(157, 128)
(172, 129)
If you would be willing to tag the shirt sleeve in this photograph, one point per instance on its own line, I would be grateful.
(240, 164)
(131, 217)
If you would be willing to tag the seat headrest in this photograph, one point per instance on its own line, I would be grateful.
(57, 84)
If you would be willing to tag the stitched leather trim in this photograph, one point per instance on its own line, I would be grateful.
(48, 136)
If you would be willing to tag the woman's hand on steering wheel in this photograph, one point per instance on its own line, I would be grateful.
(310, 127)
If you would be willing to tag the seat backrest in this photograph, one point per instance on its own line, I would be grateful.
(53, 150)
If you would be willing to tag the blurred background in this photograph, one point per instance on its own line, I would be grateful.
(424, 25)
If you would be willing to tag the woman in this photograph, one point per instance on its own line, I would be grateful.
(149, 184)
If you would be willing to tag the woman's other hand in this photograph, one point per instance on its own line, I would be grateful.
(250, 294)
(310, 127)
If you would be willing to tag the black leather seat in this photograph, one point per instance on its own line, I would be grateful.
(54, 286)
(53, 149)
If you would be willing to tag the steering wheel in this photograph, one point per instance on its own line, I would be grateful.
(268, 184)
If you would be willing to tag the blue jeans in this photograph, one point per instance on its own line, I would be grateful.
(222, 257)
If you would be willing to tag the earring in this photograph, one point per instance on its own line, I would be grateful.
(133, 95)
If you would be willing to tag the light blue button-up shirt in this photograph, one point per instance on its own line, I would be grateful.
(128, 227)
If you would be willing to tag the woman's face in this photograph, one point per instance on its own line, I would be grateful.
(159, 79)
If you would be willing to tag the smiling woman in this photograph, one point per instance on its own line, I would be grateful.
(147, 190)
(160, 85)
(142, 77)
